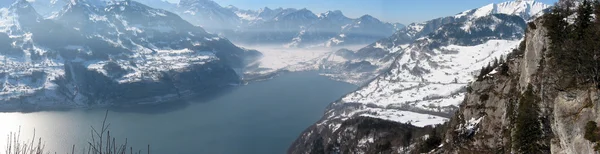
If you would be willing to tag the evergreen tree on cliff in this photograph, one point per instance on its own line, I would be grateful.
(528, 129)
(573, 48)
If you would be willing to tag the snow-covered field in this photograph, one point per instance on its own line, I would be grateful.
(406, 97)
(18, 78)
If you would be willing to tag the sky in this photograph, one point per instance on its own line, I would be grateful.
(402, 11)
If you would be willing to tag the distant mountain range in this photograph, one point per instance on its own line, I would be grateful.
(283, 27)
(467, 28)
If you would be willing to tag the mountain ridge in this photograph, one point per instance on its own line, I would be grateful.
(86, 57)
(381, 53)
(424, 83)
(240, 25)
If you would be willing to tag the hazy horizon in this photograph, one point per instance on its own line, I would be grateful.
(396, 11)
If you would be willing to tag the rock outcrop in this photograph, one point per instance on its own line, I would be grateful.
(486, 121)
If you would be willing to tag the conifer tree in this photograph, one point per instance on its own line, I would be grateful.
(556, 26)
(595, 48)
(528, 129)
(585, 42)
(597, 9)
(583, 20)
(573, 48)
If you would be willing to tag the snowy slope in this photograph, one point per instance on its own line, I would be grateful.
(49, 8)
(364, 64)
(431, 64)
(429, 76)
(523, 8)
(123, 52)
(380, 54)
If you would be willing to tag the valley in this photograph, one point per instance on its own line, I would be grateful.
(295, 78)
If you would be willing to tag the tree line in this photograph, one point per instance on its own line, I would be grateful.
(574, 36)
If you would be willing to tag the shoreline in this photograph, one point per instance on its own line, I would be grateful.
(167, 99)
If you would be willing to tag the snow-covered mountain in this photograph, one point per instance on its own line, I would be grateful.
(380, 54)
(522, 8)
(283, 27)
(123, 52)
(49, 8)
(303, 28)
(364, 29)
(425, 69)
(208, 14)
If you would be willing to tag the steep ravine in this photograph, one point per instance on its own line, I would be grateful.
(486, 120)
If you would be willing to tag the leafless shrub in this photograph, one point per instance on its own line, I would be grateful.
(101, 143)
(17, 146)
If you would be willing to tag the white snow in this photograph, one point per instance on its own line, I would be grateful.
(95, 18)
(523, 8)
(378, 45)
(364, 141)
(291, 59)
(190, 12)
(246, 16)
(414, 29)
(484, 11)
(17, 76)
(400, 92)
(6, 20)
(470, 125)
(334, 41)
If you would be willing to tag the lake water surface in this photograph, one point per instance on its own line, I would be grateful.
(262, 117)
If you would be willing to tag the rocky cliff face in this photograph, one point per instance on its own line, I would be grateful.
(426, 81)
(486, 120)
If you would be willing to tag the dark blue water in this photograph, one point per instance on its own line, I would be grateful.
(261, 117)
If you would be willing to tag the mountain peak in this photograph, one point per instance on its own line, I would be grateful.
(265, 9)
(368, 18)
(332, 14)
(302, 15)
(129, 5)
(230, 7)
(24, 13)
(305, 12)
(523, 8)
(198, 3)
(77, 6)
(20, 4)
(94, 3)
(23, 7)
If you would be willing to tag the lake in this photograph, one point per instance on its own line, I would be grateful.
(262, 117)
